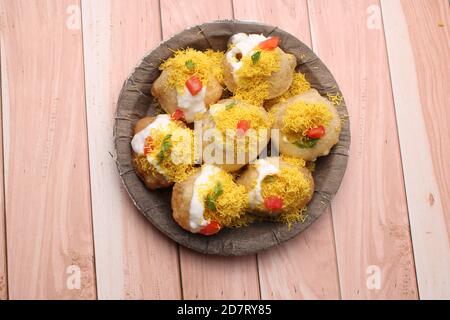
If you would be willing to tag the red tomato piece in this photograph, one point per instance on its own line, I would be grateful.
(243, 126)
(316, 133)
(177, 115)
(273, 203)
(270, 43)
(148, 146)
(212, 228)
(194, 85)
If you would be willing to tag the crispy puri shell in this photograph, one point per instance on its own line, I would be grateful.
(208, 123)
(323, 146)
(181, 200)
(250, 175)
(167, 96)
(152, 179)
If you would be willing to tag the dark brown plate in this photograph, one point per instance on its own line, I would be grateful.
(136, 102)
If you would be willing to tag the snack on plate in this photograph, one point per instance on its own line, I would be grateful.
(256, 69)
(163, 151)
(237, 130)
(278, 188)
(231, 188)
(208, 201)
(309, 126)
(190, 81)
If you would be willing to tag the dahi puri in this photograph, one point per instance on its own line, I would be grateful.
(278, 186)
(190, 81)
(234, 133)
(209, 200)
(256, 69)
(162, 151)
(309, 126)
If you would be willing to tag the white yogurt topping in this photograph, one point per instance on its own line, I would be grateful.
(264, 168)
(191, 105)
(243, 45)
(138, 141)
(197, 207)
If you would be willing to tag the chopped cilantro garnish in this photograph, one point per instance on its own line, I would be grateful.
(190, 64)
(218, 190)
(256, 56)
(212, 197)
(306, 143)
(229, 106)
(210, 203)
(165, 147)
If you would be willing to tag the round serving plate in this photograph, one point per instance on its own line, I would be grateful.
(135, 102)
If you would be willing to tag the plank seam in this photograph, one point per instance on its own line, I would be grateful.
(180, 273)
(233, 16)
(313, 38)
(5, 249)
(94, 262)
(161, 36)
(259, 276)
(429, 276)
(399, 149)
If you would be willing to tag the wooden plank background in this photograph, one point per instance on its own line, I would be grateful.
(126, 246)
(419, 59)
(369, 214)
(64, 210)
(47, 193)
(209, 277)
(306, 266)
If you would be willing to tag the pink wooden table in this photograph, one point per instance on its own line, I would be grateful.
(68, 229)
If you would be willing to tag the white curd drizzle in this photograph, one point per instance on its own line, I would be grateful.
(138, 141)
(197, 206)
(191, 105)
(243, 44)
(264, 168)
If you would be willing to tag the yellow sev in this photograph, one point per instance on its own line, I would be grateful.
(294, 187)
(173, 150)
(229, 117)
(227, 120)
(298, 162)
(253, 77)
(301, 116)
(230, 205)
(202, 64)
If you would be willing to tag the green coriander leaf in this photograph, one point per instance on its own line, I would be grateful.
(190, 64)
(166, 142)
(218, 190)
(210, 204)
(256, 56)
(270, 179)
(160, 156)
(229, 106)
(165, 147)
(307, 143)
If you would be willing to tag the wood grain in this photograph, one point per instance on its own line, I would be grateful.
(369, 213)
(3, 267)
(304, 267)
(48, 210)
(179, 15)
(133, 259)
(418, 37)
(206, 277)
